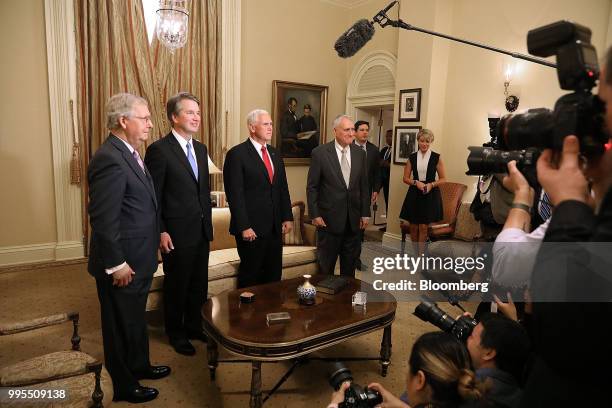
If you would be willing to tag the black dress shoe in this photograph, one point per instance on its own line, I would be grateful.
(155, 373)
(183, 346)
(197, 336)
(138, 395)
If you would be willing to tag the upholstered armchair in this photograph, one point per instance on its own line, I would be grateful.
(81, 376)
(451, 193)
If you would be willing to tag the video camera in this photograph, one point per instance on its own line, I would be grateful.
(355, 396)
(460, 328)
(522, 137)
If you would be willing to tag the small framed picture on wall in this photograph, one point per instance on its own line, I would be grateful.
(405, 143)
(410, 105)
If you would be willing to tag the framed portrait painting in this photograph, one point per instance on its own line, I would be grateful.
(404, 143)
(299, 114)
(410, 105)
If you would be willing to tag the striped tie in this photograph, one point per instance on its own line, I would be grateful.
(545, 207)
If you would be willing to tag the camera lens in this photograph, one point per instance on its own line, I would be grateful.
(430, 312)
(339, 374)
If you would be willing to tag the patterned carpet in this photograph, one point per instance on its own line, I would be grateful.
(28, 294)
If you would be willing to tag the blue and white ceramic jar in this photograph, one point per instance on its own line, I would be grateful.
(307, 292)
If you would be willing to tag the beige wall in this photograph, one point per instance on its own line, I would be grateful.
(27, 209)
(291, 40)
(461, 84)
(385, 39)
(475, 81)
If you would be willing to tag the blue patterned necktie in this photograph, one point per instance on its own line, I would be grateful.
(545, 207)
(192, 161)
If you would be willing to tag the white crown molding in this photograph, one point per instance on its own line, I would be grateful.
(347, 4)
(61, 62)
(230, 79)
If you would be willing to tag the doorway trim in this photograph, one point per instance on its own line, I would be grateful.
(355, 99)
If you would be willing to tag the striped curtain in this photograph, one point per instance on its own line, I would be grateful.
(114, 55)
(196, 68)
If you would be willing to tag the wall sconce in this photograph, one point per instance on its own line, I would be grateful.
(512, 101)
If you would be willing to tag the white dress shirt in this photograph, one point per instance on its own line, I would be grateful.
(514, 255)
(184, 142)
(339, 153)
(422, 162)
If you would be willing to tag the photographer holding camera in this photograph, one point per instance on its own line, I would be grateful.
(439, 375)
(516, 246)
(570, 338)
(499, 348)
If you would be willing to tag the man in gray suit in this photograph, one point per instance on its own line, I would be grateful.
(339, 198)
(123, 212)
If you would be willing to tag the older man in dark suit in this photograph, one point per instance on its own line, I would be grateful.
(123, 251)
(179, 166)
(339, 198)
(258, 197)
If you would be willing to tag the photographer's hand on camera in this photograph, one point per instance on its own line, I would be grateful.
(517, 184)
(389, 400)
(565, 181)
(338, 396)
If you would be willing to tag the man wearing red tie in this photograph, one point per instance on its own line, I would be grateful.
(258, 197)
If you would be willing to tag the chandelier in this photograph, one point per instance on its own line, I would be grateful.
(172, 23)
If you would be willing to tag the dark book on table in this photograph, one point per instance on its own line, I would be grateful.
(332, 284)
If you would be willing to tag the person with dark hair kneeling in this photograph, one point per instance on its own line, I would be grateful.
(499, 348)
(439, 375)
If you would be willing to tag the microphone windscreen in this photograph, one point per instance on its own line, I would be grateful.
(354, 38)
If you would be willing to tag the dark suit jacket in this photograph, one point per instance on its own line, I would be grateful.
(573, 263)
(255, 202)
(289, 127)
(185, 211)
(385, 172)
(373, 157)
(328, 196)
(122, 212)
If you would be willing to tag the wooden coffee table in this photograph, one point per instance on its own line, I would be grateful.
(243, 329)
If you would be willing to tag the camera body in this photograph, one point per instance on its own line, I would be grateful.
(460, 328)
(579, 113)
(355, 396)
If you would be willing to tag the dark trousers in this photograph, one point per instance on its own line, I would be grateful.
(347, 245)
(124, 331)
(185, 289)
(261, 260)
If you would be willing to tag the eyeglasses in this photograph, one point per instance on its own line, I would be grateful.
(145, 119)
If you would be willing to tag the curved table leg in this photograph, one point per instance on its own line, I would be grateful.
(213, 357)
(255, 401)
(385, 351)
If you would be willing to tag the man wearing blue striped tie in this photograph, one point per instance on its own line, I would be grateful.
(179, 167)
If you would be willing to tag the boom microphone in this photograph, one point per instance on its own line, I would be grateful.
(354, 38)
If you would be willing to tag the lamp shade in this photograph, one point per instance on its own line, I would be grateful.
(212, 169)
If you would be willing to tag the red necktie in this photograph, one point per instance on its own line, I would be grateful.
(266, 159)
